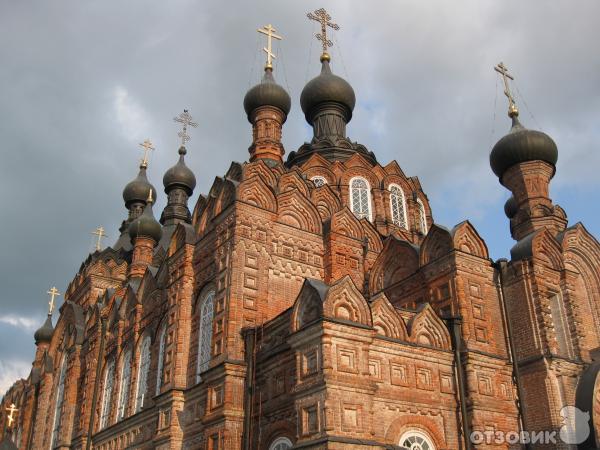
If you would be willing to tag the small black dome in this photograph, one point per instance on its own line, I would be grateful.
(45, 332)
(327, 87)
(146, 225)
(267, 93)
(138, 189)
(510, 207)
(521, 145)
(180, 175)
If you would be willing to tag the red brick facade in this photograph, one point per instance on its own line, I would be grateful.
(324, 329)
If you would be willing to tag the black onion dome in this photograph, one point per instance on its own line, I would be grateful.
(145, 225)
(45, 332)
(327, 87)
(138, 189)
(180, 175)
(521, 145)
(510, 207)
(267, 93)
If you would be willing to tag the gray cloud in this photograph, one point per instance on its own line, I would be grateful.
(81, 83)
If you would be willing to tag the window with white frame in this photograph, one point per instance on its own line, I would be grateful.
(281, 443)
(109, 378)
(205, 321)
(161, 357)
(398, 206)
(60, 396)
(422, 217)
(143, 371)
(416, 440)
(360, 198)
(124, 386)
(319, 181)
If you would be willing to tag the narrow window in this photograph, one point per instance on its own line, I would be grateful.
(398, 206)
(205, 333)
(319, 181)
(143, 370)
(422, 217)
(60, 396)
(161, 357)
(360, 198)
(124, 388)
(561, 328)
(109, 378)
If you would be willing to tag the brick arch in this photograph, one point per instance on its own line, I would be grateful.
(466, 239)
(292, 180)
(436, 244)
(198, 210)
(362, 172)
(226, 196)
(296, 210)
(426, 328)
(280, 429)
(346, 302)
(386, 320)
(398, 260)
(260, 170)
(546, 249)
(373, 237)
(326, 201)
(346, 223)
(418, 423)
(255, 191)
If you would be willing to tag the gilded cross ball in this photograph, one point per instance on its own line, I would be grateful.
(512, 106)
(321, 16)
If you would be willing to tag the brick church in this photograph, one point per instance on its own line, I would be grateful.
(310, 301)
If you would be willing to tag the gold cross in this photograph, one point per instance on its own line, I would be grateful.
(147, 146)
(512, 106)
(321, 16)
(100, 234)
(185, 118)
(53, 293)
(269, 31)
(13, 409)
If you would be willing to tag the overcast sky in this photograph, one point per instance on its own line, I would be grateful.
(82, 83)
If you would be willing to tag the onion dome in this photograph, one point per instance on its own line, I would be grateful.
(267, 93)
(510, 207)
(326, 88)
(138, 189)
(45, 332)
(521, 145)
(179, 175)
(146, 225)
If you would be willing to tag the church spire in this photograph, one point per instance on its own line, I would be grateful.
(267, 105)
(525, 161)
(179, 181)
(134, 195)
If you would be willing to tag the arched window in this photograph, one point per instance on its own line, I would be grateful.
(422, 217)
(319, 181)
(60, 396)
(161, 357)
(205, 333)
(398, 206)
(416, 440)
(143, 370)
(109, 379)
(124, 387)
(281, 443)
(360, 198)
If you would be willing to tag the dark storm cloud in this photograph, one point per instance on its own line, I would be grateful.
(81, 83)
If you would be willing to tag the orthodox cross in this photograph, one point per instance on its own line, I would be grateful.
(147, 146)
(185, 118)
(11, 418)
(512, 106)
(321, 16)
(53, 293)
(269, 31)
(100, 234)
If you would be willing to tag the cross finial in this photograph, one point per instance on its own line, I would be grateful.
(185, 118)
(512, 106)
(147, 146)
(321, 16)
(269, 31)
(11, 411)
(99, 232)
(53, 293)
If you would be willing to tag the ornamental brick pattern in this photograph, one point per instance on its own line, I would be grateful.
(277, 313)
